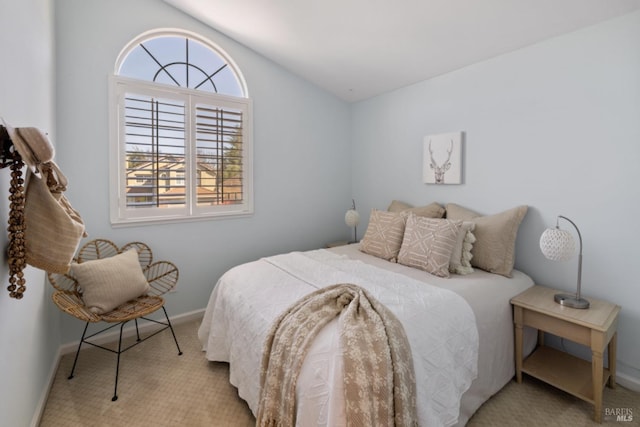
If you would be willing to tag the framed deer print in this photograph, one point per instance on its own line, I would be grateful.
(442, 158)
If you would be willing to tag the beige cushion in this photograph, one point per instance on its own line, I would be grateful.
(109, 282)
(384, 235)
(495, 246)
(432, 210)
(428, 244)
(460, 262)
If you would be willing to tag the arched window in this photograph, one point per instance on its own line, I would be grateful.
(181, 119)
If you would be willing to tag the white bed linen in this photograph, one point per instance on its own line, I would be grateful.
(489, 296)
(236, 323)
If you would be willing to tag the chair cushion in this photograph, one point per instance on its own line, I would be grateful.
(109, 282)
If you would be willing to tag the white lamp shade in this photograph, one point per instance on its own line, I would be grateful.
(352, 218)
(557, 245)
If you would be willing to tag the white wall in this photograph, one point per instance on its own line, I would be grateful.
(301, 146)
(555, 126)
(29, 328)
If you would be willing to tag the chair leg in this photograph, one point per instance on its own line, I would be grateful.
(115, 390)
(75, 361)
(137, 331)
(172, 333)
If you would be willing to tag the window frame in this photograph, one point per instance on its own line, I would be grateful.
(119, 86)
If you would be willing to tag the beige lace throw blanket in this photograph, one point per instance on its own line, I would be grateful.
(379, 379)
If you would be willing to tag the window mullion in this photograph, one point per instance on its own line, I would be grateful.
(190, 152)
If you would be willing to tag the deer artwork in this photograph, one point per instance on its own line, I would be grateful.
(439, 171)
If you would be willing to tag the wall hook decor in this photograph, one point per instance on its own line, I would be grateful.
(16, 250)
(41, 216)
(6, 154)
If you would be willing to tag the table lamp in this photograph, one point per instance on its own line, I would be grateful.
(352, 219)
(559, 245)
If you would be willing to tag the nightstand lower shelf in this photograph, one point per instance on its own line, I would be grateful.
(563, 371)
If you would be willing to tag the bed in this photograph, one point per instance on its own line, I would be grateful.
(248, 298)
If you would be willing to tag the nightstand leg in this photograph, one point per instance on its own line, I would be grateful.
(517, 314)
(612, 360)
(597, 375)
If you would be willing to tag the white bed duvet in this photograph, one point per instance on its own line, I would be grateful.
(450, 323)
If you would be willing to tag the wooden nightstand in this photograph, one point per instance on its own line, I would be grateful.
(595, 327)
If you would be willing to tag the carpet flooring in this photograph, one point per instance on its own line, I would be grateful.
(159, 388)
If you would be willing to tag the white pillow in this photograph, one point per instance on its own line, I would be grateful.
(109, 282)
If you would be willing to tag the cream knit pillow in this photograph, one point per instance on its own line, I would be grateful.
(495, 246)
(460, 262)
(109, 282)
(428, 244)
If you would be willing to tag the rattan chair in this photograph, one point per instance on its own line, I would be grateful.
(161, 275)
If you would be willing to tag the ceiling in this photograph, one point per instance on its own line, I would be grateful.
(358, 49)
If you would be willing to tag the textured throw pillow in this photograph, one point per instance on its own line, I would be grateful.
(460, 262)
(432, 210)
(495, 246)
(109, 282)
(384, 235)
(428, 244)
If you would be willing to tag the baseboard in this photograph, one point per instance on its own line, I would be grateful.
(103, 339)
(37, 414)
(129, 331)
(627, 381)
